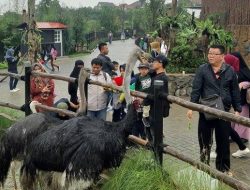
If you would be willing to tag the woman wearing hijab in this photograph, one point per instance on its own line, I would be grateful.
(72, 87)
(234, 62)
(41, 89)
(240, 131)
(244, 84)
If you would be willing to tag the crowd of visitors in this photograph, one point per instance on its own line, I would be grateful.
(223, 81)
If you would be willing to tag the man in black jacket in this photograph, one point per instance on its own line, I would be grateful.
(212, 78)
(107, 65)
(159, 65)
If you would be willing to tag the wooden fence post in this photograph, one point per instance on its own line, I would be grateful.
(27, 88)
(158, 122)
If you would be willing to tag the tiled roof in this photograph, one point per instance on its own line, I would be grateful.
(50, 25)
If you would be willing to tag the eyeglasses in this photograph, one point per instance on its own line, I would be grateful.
(214, 54)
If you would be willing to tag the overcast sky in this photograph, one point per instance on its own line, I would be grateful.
(8, 4)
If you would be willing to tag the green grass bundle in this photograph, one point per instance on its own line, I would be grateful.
(139, 172)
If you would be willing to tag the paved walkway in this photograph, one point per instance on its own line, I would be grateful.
(119, 51)
(177, 132)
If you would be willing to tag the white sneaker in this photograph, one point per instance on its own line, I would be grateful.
(213, 155)
(16, 89)
(12, 90)
(241, 153)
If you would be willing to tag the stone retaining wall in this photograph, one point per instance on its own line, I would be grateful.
(180, 84)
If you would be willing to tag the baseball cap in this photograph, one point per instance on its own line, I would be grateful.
(162, 59)
(143, 65)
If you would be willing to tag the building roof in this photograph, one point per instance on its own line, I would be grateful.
(135, 5)
(50, 25)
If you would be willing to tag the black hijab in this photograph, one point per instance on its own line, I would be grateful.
(72, 87)
(76, 70)
(244, 72)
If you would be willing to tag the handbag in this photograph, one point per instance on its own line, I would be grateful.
(248, 96)
(213, 101)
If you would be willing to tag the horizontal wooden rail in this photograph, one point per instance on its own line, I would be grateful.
(184, 103)
(54, 76)
(57, 110)
(205, 109)
(9, 105)
(17, 76)
(232, 182)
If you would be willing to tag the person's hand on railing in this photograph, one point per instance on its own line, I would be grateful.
(237, 113)
(190, 114)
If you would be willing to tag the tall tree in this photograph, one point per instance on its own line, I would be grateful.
(174, 7)
(155, 8)
(49, 10)
(34, 40)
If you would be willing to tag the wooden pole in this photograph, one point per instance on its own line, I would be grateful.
(232, 182)
(196, 107)
(4, 78)
(204, 109)
(56, 110)
(27, 88)
(157, 127)
(54, 76)
(6, 74)
(9, 105)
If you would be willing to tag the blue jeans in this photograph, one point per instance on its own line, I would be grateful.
(101, 114)
(13, 81)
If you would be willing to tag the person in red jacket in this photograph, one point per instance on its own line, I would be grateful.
(41, 89)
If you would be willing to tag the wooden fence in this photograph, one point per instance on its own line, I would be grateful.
(157, 144)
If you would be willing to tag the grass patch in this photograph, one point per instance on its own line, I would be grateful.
(4, 122)
(139, 172)
(12, 113)
(3, 65)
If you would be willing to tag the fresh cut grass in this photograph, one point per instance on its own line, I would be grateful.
(139, 171)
